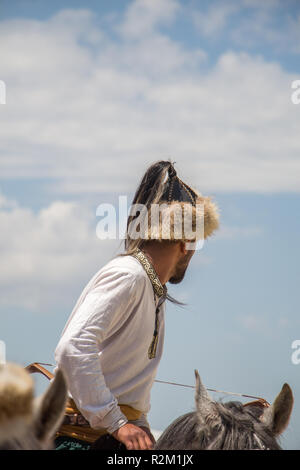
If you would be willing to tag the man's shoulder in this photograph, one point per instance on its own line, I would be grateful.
(126, 265)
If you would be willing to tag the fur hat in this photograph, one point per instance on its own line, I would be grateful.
(166, 208)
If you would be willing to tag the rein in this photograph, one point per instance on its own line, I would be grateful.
(258, 400)
(38, 367)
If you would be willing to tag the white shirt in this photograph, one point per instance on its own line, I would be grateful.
(103, 350)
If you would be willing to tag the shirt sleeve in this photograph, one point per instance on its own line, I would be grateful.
(142, 421)
(106, 307)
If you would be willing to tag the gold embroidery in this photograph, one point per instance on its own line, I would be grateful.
(159, 290)
(157, 285)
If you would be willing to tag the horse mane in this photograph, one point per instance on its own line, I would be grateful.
(228, 426)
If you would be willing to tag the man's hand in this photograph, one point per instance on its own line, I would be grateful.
(134, 437)
(147, 431)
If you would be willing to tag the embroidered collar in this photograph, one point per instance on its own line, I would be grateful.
(158, 288)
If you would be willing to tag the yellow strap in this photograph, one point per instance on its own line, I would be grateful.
(86, 433)
(131, 413)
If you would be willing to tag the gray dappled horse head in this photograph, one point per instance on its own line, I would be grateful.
(228, 425)
(27, 422)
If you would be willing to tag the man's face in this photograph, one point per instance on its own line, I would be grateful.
(181, 267)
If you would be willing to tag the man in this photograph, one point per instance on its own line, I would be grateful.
(112, 343)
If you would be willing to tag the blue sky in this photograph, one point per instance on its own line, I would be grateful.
(96, 91)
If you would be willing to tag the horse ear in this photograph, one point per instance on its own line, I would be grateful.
(202, 398)
(50, 408)
(277, 416)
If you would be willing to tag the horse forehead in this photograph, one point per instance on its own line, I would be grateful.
(239, 408)
(230, 407)
(236, 405)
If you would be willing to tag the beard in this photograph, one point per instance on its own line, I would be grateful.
(180, 269)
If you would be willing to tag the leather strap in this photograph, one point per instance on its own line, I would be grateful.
(260, 402)
(36, 367)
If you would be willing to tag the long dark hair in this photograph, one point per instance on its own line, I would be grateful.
(149, 192)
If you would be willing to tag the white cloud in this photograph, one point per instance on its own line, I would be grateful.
(260, 26)
(143, 16)
(93, 111)
(212, 21)
(263, 323)
(250, 23)
(46, 256)
(254, 322)
(230, 232)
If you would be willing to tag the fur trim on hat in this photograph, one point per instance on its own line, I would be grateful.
(16, 401)
(177, 221)
(211, 215)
